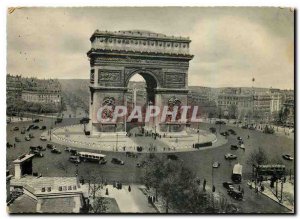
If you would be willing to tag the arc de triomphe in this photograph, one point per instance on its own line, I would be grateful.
(163, 62)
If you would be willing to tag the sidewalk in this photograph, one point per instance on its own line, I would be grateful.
(128, 202)
(287, 195)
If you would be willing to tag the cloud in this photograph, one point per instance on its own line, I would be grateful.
(230, 45)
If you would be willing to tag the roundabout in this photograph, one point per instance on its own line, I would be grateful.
(73, 136)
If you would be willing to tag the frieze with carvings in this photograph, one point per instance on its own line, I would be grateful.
(110, 77)
(129, 61)
(174, 79)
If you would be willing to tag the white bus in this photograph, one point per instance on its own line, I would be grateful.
(92, 157)
(237, 173)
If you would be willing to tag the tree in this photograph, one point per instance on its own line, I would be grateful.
(233, 111)
(177, 186)
(258, 157)
(100, 205)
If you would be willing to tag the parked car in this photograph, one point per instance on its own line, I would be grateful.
(228, 185)
(74, 159)
(68, 149)
(141, 164)
(43, 127)
(17, 139)
(220, 123)
(216, 164)
(230, 156)
(16, 128)
(239, 138)
(234, 147)
(251, 128)
(36, 120)
(242, 146)
(131, 154)
(244, 127)
(73, 152)
(84, 120)
(213, 129)
(55, 151)
(287, 157)
(23, 131)
(43, 138)
(50, 146)
(27, 138)
(35, 127)
(236, 194)
(117, 161)
(172, 157)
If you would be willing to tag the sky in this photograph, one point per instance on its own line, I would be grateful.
(230, 45)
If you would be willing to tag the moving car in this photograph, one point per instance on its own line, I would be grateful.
(55, 151)
(50, 146)
(16, 128)
(242, 146)
(37, 153)
(220, 123)
(43, 127)
(74, 159)
(17, 139)
(41, 148)
(23, 131)
(31, 135)
(234, 147)
(216, 164)
(29, 127)
(35, 127)
(231, 131)
(236, 194)
(230, 156)
(131, 154)
(117, 161)
(287, 157)
(239, 138)
(27, 138)
(43, 138)
(36, 120)
(228, 185)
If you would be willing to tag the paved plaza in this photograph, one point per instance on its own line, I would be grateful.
(74, 136)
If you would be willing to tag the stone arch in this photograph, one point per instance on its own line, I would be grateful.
(148, 75)
(151, 82)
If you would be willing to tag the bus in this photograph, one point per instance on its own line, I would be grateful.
(270, 170)
(92, 157)
(237, 173)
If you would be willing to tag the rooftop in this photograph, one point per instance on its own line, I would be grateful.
(138, 33)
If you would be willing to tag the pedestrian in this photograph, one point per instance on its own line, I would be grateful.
(242, 190)
(204, 184)
(239, 188)
(149, 199)
(14, 145)
(129, 188)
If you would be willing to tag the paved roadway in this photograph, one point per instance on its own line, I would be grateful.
(200, 162)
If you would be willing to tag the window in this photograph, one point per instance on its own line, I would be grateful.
(64, 188)
(69, 187)
(74, 188)
(49, 189)
(60, 188)
(43, 189)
